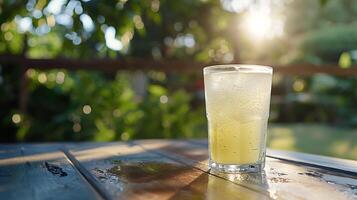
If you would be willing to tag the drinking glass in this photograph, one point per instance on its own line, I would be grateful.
(237, 108)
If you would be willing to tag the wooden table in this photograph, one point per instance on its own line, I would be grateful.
(163, 169)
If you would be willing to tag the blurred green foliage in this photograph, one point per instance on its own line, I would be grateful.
(79, 29)
(148, 28)
(86, 105)
(89, 106)
(326, 35)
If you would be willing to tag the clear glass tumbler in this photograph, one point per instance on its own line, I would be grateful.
(237, 107)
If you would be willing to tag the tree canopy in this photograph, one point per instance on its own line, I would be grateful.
(203, 30)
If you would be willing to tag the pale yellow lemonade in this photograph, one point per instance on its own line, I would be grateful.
(237, 104)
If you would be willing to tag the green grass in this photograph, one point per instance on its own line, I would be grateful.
(315, 139)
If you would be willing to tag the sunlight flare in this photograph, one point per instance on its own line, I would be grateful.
(262, 24)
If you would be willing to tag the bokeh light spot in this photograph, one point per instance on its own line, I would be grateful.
(42, 78)
(77, 127)
(16, 118)
(8, 36)
(87, 109)
(111, 41)
(299, 85)
(125, 136)
(164, 99)
(30, 73)
(138, 22)
(60, 77)
(155, 5)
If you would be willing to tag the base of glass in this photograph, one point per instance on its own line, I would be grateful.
(227, 168)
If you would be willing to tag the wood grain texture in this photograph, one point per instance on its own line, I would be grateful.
(342, 165)
(40, 172)
(127, 171)
(281, 179)
(157, 169)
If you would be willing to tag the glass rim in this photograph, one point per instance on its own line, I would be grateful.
(247, 68)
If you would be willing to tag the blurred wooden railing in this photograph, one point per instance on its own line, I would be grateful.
(185, 66)
(179, 66)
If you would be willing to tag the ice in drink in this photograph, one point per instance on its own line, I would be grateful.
(237, 106)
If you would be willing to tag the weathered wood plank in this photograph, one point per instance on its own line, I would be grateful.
(40, 172)
(338, 164)
(281, 179)
(127, 171)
